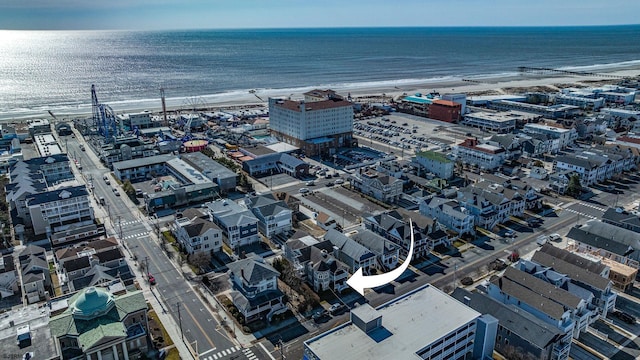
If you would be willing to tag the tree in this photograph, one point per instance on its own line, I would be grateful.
(538, 163)
(574, 188)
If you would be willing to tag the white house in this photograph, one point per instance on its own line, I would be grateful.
(274, 216)
(484, 156)
(197, 234)
(382, 187)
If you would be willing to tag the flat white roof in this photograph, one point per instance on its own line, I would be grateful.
(414, 321)
(282, 147)
(546, 127)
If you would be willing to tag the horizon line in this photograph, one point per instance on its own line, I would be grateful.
(343, 27)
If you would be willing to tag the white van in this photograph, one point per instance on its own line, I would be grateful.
(542, 239)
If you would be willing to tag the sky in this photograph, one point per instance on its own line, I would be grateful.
(215, 14)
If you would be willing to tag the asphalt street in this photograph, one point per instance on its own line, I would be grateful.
(202, 332)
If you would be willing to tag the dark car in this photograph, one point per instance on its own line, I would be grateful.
(337, 309)
(626, 317)
(320, 316)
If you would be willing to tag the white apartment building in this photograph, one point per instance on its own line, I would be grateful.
(57, 210)
(317, 127)
(405, 328)
(564, 136)
(484, 156)
(436, 163)
(448, 213)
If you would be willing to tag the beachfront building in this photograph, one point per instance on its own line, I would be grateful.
(436, 163)
(317, 128)
(583, 101)
(484, 156)
(131, 121)
(404, 328)
(501, 122)
(458, 98)
(612, 94)
(552, 111)
(445, 110)
(96, 324)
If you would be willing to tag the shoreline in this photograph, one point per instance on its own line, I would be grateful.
(499, 84)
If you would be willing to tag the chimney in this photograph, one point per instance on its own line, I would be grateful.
(467, 301)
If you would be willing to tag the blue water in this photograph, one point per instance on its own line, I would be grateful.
(55, 69)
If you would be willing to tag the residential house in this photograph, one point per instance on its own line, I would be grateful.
(559, 181)
(382, 187)
(239, 225)
(387, 252)
(518, 329)
(536, 145)
(542, 298)
(512, 187)
(608, 241)
(603, 298)
(274, 216)
(315, 262)
(96, 324)
(255, 289)
(350, 252)
(76, 272)
(35, 275)
(484, 156)
(196, 234)
(511, 143)
(394, 225)
(622, 218)
(491, 203)
(449, 213)
(564, 137)
(8, 277)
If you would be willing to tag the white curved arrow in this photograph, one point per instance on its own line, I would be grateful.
(359, 282)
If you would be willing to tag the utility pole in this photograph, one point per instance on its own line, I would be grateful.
(120, 227)
(146, 263)
(282, 357)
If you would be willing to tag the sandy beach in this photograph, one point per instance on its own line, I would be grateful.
(508, 84)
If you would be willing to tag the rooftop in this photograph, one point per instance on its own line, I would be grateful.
(410, 322)
(435, 156)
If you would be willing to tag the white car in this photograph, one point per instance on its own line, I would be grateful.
(310, 183)
(303, 190)
(339, 181)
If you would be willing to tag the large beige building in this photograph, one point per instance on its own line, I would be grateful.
(317, 127)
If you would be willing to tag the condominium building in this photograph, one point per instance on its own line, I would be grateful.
(318, 127)
(485, 156)
(423, 324)
(565, 137)
(501, 122)
(57, 210)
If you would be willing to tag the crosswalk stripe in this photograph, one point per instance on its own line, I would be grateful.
(232, 350)
(246, 350)
(215, 356)
(252, 357)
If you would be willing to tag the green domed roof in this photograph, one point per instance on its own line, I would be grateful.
(93, 302)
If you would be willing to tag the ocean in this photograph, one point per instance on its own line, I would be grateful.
(54, 70)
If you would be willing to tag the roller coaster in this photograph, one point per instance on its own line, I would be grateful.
(104, 118)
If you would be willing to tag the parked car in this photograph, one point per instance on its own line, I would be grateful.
(320, 316)
(626, 317)
(303, 190)
(542, 240)
(152, 280)
(555, 237)
(310, 183)
(510, 233)
(339, 181)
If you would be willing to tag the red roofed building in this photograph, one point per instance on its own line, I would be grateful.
(445, 110)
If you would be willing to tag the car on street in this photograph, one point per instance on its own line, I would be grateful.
(152, 280)
(320, 316)
(310, 183)
(339, 181)
(303, 190)
(330, 183)
(510, 233)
